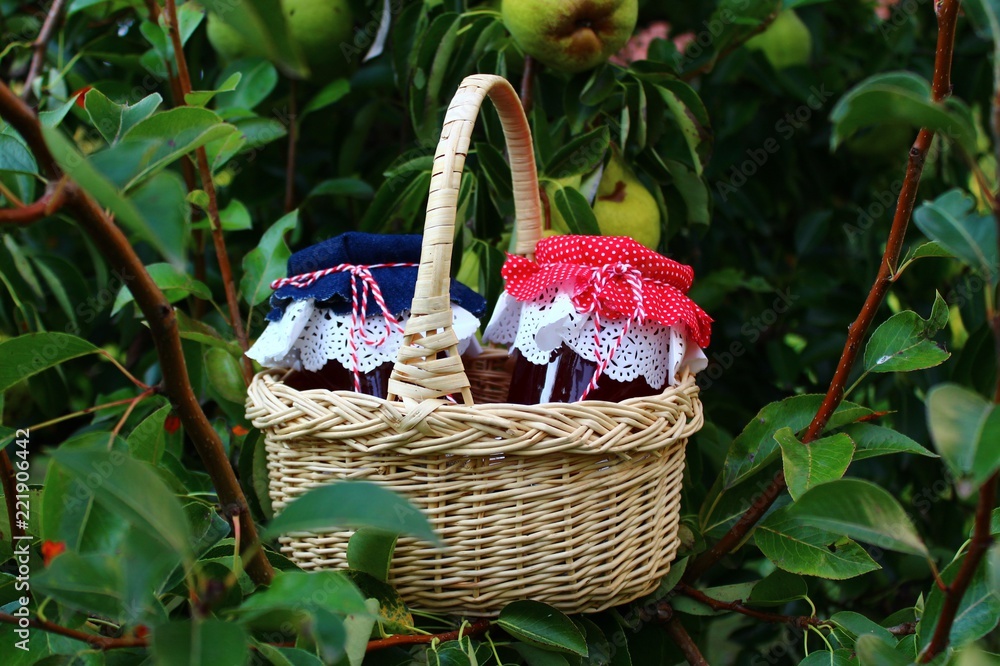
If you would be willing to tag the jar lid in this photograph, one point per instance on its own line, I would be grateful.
(325, 272)
(610, 277)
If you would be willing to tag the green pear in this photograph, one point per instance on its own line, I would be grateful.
(317, 27)
(786, 43)
(624, 207)
(570, 35)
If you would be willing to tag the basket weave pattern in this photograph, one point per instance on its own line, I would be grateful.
(576, 505)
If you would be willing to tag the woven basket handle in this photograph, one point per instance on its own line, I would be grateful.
(429, 365)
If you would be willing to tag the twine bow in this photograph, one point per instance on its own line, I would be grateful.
(359, 305)
(588, 300)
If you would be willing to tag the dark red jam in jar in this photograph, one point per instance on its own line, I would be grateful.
(337, 321)
(597, 318)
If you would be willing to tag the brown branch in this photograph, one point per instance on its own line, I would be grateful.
(40, 44)
(95, 641)
(475, 629)
(218, 239)
(162, 322)
(681, 638)
(293, 138)
(527, 84)
(44, 207)
(710, 65)
(953, 593)
(800, 621)
(947, 19)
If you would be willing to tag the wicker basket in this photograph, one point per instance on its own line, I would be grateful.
(576, 505)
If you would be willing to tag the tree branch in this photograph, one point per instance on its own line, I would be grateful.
(44, 207)
(681, 638)
(981, 542)
(475, 629)
(218, 239)
(40, 44)
(162, 322)
(947, 19)
(710, 65)
(95, 641)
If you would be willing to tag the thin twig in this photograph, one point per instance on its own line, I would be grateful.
(801, 621)
(40, 44)
(95, 641)
(293, 138)
(947, 19)
(710, 65)
(33, 212)
(475, 629)
(207, 184)
(162, 322)
(527, 84)
(980, 543)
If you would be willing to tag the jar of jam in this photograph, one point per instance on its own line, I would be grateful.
(597, 318)
(337, 321)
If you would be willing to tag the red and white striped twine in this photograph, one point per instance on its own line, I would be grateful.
(602, 275)
(359, 304)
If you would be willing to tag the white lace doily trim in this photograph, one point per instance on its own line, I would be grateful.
(539, 327)
(307, 337)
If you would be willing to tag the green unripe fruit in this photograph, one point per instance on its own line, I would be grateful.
(317, 27)
(786, 43)
(570, 35)
(624, 207)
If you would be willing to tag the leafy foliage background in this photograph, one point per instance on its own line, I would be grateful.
(783, 220)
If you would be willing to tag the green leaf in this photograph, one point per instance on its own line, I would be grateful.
(806, 549)
(393, 614)
(371, 551)
(203, 97)
(162, 200)
(755, 447)
(808, 465)
(148, 440)
(235, 217)
(225, 375)
(164, 137)
(534, 656)
(204, 642)
(859, 510)
(902, 344)
(301, 592)
(777, 589)
(849, 626)
(87, 583)
(873, 651)
(953, 221)
(266, 262)
(351, 505)
(840, 657)
(575, 209)
(330, 94)
(258, 79)
(176, 285)
(965, 428)
(900, 98)
(923, 251)
(580, 155)
(15, 156)
(343, 187)
(132, 490)
(873, 440)
(88, 178)
(27, 355)
(542, 626)
(263, 27)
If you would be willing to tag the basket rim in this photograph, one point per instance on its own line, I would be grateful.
(377, 425)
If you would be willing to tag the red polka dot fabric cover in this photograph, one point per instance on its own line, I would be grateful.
(613, 277)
